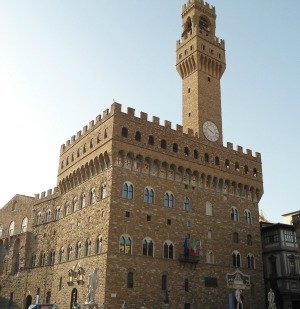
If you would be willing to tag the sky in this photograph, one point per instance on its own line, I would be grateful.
(63, 62)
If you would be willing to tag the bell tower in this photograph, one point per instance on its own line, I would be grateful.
(200, 62)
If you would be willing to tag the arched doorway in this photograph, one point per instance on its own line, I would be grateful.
(73, 298)
(28, 301)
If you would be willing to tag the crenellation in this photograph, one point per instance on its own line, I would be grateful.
(98, 118)
(258, 156)
(43, 194)
(105, 113)
(37, 196)
(130, 111)
(190, 132)
(78, 134)
(115, 108)
(249, 152)
(68, 143)
(229, 146)
(73, 139)
(240, 149)
(84, 130)
(49, 192)
(179, 128)
(168, 124)
(155, 120)
(91, 124)
(144, 116)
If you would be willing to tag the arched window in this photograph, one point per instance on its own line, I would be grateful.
(82, 200)
(175, 147)
(186, 204)
(147, 247)
(127, 190)
(246, 169)
(151, 140)
(138, 136)
(186, 285)
(124, 132)
(33, 260)
(61, 255)
(234, 214)
(169, 200)
(11, 229)
(16, 257)
(208, 209)
(249, 240)
(227, 164)
(93, 196)
(235, 237)
(125, 244)
(78, 250)
(52, 258)
(168, 250)
(163, 144)
(105, 133)
(130, 280)
(196, 154)
(75, 203)
(237, 166)
(57, 213)
(67, 209)
(248, 217)
(103, 191)
(236, 259)
(88, 247)
(206, 157)
(99, 244)
(48, 297)
(209, 257)
(48, 215)
(186, 151)
(164, 282)
(217, 161)
(23, 225)
(255, 172)
(149, 195)
(1, 230)
(250, 261)
(69, 253)
(43, 259)
(204, 23)
(38, 218)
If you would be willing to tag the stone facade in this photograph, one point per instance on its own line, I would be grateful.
(164, 214)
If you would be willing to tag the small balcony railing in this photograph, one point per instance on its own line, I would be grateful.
(192, 260)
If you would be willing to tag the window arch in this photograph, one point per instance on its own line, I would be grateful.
(234, 214)
(237, 166)
(208, 209)
(151, 140)
(235, 237)
(248, 217)
(186, 204)
(206, 157)
(163, 144)
(39, 218)
(130, 279)
(48, 215)
(236, 259)
(227, 164)
(61, 255)
(175, 147)
(67, 209)
(138, 136)
(125, 244)
(78, 250)
(24, 225)
(99, 243)
(186, 151)
(249, 240)
(255, 172)
(43, 259)
(246, 169)
(69, 253)
(103, 191)
(250, 261)
(164, 282)
(88, 247)
(127, 190)
(147, 247)
(57, 213)
(209, 257)
(11, 229)
(148, 195)
(75, 203)
(217, 161)
(82, 200)
(124, 132)
(93, 196)
(168, 250)
(52, 257)
(204, 23)
(169, 200)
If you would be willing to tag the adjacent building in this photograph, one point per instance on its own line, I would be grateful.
(165, 217)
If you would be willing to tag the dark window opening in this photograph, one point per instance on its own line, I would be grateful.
(163, 144)
(127, 214)
(206, 157)
(175, 147)
(138, 136)
(186, 151)
(151, 140)
(130, 280)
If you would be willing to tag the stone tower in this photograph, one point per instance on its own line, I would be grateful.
(200, 61)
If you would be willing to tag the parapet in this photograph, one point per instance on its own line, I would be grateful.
(51, 193)
(200, 2)
(239, 149)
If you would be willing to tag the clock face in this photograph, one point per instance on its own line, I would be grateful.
(211, 131)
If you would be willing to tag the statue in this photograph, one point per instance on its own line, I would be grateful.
(271, 299)
(92, 286)
(239, 303)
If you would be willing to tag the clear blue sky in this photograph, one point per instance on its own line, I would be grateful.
(63, 62)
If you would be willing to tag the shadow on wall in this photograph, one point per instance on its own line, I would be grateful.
(5, 304)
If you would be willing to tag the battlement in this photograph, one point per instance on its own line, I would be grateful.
(49, 194)
(199, 2)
